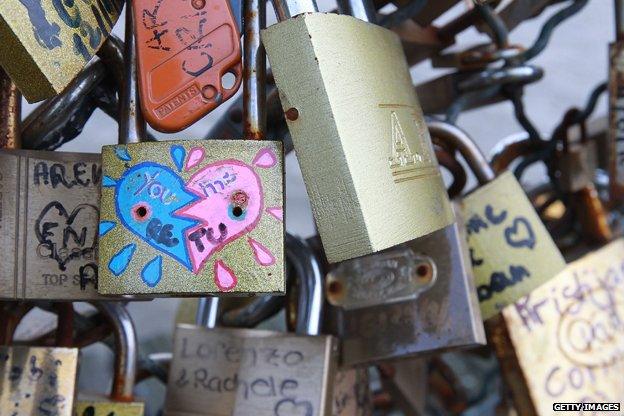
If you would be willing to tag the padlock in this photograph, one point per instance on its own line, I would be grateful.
(250, 371)
(510, 249)
(191, 217)
(10, 113)
(121, 400)
(615, 133)
(563, 342)
(40, 380)
(412, 299)
(186, 53)
(357, 128)
(575, 170)
(45, 44)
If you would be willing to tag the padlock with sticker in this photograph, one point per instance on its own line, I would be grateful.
(510, 249)
(189, 59)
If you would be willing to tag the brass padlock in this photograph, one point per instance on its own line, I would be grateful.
(186, 52)
(243, 371)
(358, 130)
(510, 249)
(45, 44)
(412, 299)
(121, 400)
(189, 217)
(40, 380)
(563, 342)
(10, 113)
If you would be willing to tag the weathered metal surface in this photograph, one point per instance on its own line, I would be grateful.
(352, 395)
(184, 217)
(615, 130)
(337, 152)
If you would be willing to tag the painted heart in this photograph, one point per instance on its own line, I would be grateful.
(292, 407)
(520, 234)
(190, 222)
(64, 236)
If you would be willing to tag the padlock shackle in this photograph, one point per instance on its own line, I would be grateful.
(308, 270)
(126, 349)
(619, 19)
(360, 9)
(259, 309)
(460, 140)
(254, 71)
(10, 113)
(132, 128)
(285, 9)
(207, 312)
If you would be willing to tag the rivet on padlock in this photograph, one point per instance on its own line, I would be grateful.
(258, 371)
(510, 249)
(181, 217)
(186, 53)
(40, 380)
(47, 43)
(121, 399)
(322, 64)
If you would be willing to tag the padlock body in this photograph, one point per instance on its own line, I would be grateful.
(37, 380)
(45, 44)
(249, 372)
(443, 314)
(49, 218)
(511, 251)
(358, 132)
(563, 343)
(189, 217)
(183, 50)
(101, 406)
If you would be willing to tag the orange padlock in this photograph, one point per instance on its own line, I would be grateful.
(189, 58)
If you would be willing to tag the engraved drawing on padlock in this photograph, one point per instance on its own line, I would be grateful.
(191, 207)
(50, 42)
(184, 52)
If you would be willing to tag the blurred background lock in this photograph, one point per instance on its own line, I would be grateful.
(38, 380)
(120, 402)
(47, 43)
(342, 134)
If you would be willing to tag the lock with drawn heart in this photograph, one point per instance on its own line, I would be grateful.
(510, 249)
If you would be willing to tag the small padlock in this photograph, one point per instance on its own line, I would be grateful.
(249, 371)
(510, 249)
(121, 400)
(40, 380)
(358, 130)
(615, 132)
(563, 343)
(412, 299)
(183, 217)
(45, 44)
(187, 51)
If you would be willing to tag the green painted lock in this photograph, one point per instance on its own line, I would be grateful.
(510, 248)
(45, 44)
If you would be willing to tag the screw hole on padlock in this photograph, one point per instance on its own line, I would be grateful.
(334, 288)
(140, 212)
(209, 92)
(198, 4)
(228, 80)
(237, 211)
(424, 271)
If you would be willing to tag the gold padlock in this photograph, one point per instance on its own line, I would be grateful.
(563, 342)
(40, 380)
(358, 130)
(121, 400)
(46, 43)
(188, 217)
(510, 249)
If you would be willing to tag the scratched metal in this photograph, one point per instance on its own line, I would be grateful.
(190, 217)
(565, 341)
(241, 372)
(366, 158)
(444, 316)
(45, 44)
(37, 381)
(49, 219)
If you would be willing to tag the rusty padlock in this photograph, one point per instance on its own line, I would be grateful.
(187, 51)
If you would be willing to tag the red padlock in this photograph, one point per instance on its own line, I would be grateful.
(185, 50)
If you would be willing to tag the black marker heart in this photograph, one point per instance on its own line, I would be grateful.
(520, 234)
(66, 236)
(291, 407)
